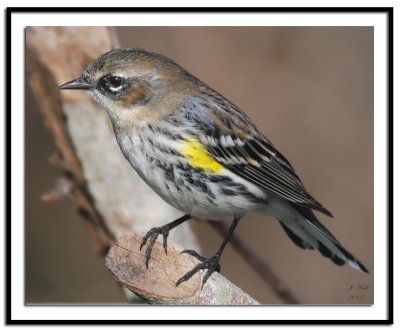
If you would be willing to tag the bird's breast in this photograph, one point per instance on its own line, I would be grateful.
(179, 169)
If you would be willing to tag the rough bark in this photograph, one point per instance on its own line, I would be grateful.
(157, 284)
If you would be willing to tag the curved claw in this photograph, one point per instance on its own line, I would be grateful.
(150, 248)
(189, 274)
(165, 237)
(194, 254)
(211, 265)
(206, 276)
(153, 234)
(145, 238)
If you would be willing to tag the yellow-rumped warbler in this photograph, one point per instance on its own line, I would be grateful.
(201, 153)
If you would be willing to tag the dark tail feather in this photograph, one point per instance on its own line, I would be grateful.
(297, 238)
(309, 233)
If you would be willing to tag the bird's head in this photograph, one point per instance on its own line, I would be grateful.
(127, 82)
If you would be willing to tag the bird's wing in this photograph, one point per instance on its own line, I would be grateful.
(232, 139)
(260, 163)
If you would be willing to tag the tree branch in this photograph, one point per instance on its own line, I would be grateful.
(157, 284)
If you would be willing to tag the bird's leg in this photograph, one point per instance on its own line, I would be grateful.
(153, 233)
(211, 264)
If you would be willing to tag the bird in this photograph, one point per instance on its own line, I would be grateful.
(201, 154)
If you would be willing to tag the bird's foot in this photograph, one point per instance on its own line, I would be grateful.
(153, 233)
(211, 264)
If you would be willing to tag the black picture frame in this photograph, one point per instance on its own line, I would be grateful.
(386, 10)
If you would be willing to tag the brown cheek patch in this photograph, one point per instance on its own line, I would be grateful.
(139, 94)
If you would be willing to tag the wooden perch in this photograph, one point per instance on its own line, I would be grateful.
(157, 284)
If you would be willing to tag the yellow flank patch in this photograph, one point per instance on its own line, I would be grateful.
(198, 156)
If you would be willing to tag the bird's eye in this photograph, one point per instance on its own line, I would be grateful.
(111, 84)
(115, 81)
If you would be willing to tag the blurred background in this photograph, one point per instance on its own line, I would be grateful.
(309, 90)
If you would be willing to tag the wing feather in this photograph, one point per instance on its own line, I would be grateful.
(267, 170)
(234, 141)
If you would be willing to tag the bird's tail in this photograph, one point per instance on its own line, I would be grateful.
(309, 233)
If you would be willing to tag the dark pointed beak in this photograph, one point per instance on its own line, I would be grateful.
(77, 84)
